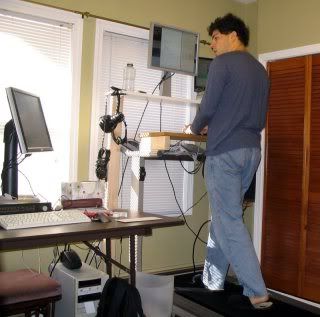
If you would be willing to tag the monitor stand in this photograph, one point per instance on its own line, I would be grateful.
(23, 199)
(165, 87)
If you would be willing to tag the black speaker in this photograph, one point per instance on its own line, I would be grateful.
(251, 191)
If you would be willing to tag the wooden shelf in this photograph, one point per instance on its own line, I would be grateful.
(164, 99)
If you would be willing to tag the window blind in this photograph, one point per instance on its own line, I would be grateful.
(35, 56)
(118, 50)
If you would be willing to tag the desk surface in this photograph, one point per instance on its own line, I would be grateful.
(175, 136)
(49, 236)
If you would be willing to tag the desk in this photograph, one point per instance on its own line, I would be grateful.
(85, 232)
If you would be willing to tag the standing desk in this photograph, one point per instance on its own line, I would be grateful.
(86, 232)
(153, 146)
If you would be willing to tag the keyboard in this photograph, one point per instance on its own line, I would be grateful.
(43, 219)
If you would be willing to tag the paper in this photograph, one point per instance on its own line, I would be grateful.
(138, 219)
(89, 306)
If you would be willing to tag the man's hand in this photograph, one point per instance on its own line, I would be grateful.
(204, 130)
(187, 129)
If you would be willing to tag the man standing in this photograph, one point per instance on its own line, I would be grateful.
(232, 113)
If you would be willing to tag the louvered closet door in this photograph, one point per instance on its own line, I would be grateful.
(311, 279)
(281, 243)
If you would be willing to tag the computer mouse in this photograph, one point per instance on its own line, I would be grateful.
(103, 217)
(70, 259)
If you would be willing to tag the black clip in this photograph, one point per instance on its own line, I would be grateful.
(142, 175)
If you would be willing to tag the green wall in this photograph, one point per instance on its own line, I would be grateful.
(284, 24)
(169, 248)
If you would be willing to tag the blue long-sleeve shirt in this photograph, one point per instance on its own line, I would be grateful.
(235, 103)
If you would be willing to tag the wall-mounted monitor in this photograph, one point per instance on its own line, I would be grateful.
(200, 80)
(173, 50)
(29, 121)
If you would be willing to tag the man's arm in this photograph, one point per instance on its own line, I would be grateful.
(217, 78)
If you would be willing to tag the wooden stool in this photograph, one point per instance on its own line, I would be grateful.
(26, 291)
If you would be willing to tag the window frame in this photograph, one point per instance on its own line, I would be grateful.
(42, 12)
(109, 26)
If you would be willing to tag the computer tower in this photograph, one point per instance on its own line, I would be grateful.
(81, 290)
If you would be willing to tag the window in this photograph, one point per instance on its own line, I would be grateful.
(117, 45)
(37, 55)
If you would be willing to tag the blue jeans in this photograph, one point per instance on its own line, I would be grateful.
(228, 176)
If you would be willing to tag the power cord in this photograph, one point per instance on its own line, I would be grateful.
(11, 164)
(196, 203)
(175, 197)
(28, 182)
(194, 171)
(164, 78)
(54, 262)
(174, 192)
(194, 244)
(120, 255)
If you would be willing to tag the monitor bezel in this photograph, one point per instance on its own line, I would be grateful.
(172, 70)
(24, 147)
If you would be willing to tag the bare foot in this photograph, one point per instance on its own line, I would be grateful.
(258, 300)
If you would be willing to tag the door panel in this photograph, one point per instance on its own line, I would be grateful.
(283, 175)
(311, 282)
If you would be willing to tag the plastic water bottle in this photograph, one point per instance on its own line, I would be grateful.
(129, 75)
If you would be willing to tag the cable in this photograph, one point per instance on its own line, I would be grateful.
(194, 244)
(81, 248)
(196, 169)
(196, 203)
(24, 263)
(11, 164)
(39, 261)
(136, 132)
(28, 182)
(175, 197)
(120, 255)
(164, 78)
(174, 192)
(122, 177)
(44, 198)
(94, 255)
(160, 115)
(54, 265)
(245, 205)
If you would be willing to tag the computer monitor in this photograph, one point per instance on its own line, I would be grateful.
(27, 128)
(173, 50)
(200, 80)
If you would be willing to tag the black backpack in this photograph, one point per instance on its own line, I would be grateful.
(119, 299)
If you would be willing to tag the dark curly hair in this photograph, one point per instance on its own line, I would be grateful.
(228, 24)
